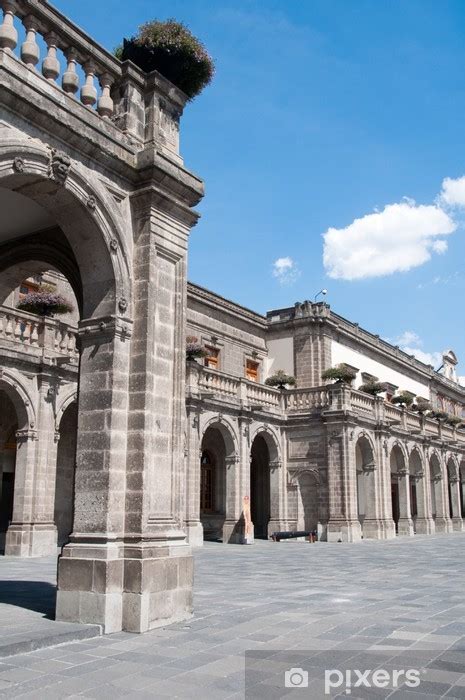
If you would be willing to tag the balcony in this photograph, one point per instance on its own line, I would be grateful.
(31, 337)
(226, 390)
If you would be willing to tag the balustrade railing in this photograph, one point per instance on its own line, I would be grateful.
(306, 399)
(27, 330)
(363, 402)
(261, 394)
(219, 382)
(60, 35)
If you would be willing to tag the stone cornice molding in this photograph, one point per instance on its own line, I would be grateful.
(216, 301)
(104, 328)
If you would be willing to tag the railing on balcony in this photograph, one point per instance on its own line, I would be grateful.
(26, 332)
(306, 399)
(60, 35)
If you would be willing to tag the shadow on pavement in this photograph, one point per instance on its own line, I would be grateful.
(39, 596)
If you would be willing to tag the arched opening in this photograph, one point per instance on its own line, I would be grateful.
(260, 504)
(8, 448)
(366, 490)
(215, 450)
(400, 492)
(418, 494)
(66, 464)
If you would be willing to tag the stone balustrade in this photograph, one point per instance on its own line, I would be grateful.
(60, 35)
(296, 400)
(20, 330)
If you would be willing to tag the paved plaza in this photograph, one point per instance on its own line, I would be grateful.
(398, 604)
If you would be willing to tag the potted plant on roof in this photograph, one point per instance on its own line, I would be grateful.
(341, 374)
(170, 48)
(194, 349)
(45, 301)
(421, 406)
(373, 387)
(280, 379)
(439, 415)
(403, 398)
(454, 421)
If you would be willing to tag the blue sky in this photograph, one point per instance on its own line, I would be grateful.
(321, 113)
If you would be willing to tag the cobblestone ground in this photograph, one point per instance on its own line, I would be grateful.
(396, 605)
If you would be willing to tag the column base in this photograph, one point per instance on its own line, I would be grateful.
(424, 526)
(405, 527)
(31, 540)
(457, 524)
(344, 531)
(194, 533)
(442, 524)
(377, 529)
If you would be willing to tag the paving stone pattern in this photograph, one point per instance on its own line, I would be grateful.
(393, 604)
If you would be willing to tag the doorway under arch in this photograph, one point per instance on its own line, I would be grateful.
(66, 464)
(8, 447)
(260, 496)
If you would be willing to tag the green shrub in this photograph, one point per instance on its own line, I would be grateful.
(280, 379)
(340, 373)
(373, 387)
(403, 398)
(171, 49)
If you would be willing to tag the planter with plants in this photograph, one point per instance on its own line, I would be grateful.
(421, 406)
(45, 302)
(171, 49)
(373, 387)
(454, 421)
(280, 380)
(340, 374)
(441, 416)
(194, 349)
(403, 398)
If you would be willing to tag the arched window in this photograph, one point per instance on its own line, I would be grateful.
(207, 486)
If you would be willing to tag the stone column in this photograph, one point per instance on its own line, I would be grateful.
(90, 569)
(19, 534)
(386, 523)
(343, 524)
(35, 533)
(424, 523)
(405, 524)
(277, 520)
(233, 526)
(194, 528)
(457, 523)
(372, 526)
(441, 521)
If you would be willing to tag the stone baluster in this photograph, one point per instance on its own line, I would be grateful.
(63, 342)
(27, 333)
(30, 52)
(9, 327)
(70, 80)
(18, 331)
(105, 104)
(35, 334)
(51, 64)
(88, 90)
(8, 32)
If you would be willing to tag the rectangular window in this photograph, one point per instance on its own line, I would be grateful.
(251, 370)
(27, 288)
(212, 360)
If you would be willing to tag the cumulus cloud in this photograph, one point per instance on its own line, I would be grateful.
(453, 192)
(411, 343)
(285, 270)
(401, 236)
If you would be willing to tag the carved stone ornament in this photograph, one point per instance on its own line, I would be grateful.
(60, 164)
(123, 304)
(114, 245)
(18, 164)
(91, 203)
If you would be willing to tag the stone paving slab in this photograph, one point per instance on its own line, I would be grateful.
(390, 605)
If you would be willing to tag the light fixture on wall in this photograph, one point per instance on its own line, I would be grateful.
(323, 292)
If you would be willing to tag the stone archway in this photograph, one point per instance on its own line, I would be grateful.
(453, 494)
(8, 448)
(65, 473)
(419, 501)
(260, 491)
(367, 502)
(400, 491)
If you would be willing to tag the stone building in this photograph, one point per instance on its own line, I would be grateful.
(111, 445)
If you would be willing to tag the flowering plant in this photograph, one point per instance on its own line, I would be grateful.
(194, 349)
(171, 49)
(45, 302)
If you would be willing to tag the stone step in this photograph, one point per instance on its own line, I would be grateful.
(48, 634)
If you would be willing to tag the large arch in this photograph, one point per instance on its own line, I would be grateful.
(218, 460)
(453, 493)
(400, 490)
(366, 486)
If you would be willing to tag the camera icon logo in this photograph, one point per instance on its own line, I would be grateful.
(296, 678)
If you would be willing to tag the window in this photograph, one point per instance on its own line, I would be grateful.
(206, 482)
(212, 360)
(251, 370)
(27, 288)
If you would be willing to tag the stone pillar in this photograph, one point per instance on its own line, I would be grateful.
(277, 520)
(194, 528)
(454, 484)
(32, 531)
(405, 524)
(441, 521)
(19, 535)
(90, 569)
(372, 526)
(343, 523)
(424, 523)
(387, 528)
(233, 527)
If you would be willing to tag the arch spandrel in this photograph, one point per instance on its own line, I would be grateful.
(13, 385)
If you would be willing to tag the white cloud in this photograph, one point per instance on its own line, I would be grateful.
(396, 239)
(285, 270)
(453, 192)
(411, 343)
